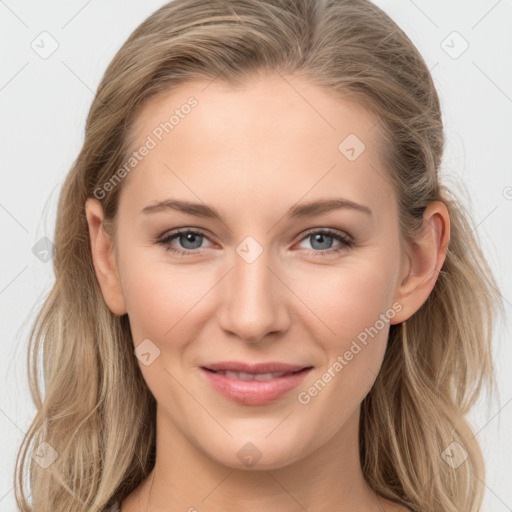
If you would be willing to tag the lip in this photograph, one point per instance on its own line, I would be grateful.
(238, 366)
(254, 392)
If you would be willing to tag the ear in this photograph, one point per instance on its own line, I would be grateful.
(424, 259)
(104, 259)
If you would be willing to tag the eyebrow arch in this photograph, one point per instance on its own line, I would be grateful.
(297, 211)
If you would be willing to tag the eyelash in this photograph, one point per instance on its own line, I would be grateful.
(346, 241)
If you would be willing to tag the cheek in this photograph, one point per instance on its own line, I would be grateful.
(161, 299)
(358, 312)
(342, 300)
(353, 304)
(346, 300)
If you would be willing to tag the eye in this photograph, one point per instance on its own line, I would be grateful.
(191, 240)
(322, 240)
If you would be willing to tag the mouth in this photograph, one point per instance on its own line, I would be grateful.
(257, 384)
(253, 376)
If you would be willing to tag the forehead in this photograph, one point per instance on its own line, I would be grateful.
(274, 134)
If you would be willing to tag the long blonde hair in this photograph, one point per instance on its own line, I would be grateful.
(97, 416)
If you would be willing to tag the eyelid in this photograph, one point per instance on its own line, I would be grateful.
(329, 231)
(167, 235)
(346, 240)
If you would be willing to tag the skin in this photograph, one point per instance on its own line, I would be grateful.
(252, 153)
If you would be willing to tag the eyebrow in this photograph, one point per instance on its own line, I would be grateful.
(309, 209)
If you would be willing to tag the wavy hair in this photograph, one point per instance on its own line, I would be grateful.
(97, 415)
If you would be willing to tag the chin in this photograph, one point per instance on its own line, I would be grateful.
(258, 454)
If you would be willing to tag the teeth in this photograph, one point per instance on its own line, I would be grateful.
(265, 376)
(252, 376)
(239, 375)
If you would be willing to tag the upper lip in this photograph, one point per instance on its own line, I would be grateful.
(237, 366)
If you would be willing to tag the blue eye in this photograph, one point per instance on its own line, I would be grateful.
(321, 240)
(191, 240)
(325, 237)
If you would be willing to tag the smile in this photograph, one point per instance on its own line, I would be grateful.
(249, 387)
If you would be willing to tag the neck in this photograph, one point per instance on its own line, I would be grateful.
(329, 478)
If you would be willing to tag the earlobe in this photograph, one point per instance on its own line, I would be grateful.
(426, 256)
(103, 258)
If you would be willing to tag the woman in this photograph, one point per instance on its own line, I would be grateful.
(197, 354)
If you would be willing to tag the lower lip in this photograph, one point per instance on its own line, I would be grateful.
(254, 392)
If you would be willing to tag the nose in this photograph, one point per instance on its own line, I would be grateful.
(253, 300)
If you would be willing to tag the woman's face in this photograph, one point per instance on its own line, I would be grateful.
(269, 278)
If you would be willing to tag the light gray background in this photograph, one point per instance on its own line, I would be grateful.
(44, 103)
